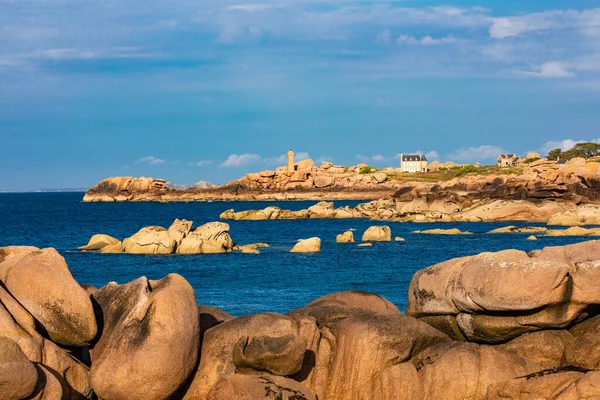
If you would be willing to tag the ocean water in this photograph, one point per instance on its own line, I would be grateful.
(275, 280)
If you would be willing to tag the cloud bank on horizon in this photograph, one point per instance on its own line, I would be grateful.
(214, 89)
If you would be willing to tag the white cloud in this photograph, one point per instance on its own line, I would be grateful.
(553, 69)
(476, 154)
(368, 159)
(302, 156)
(203, 163)
(236, 160)
(585, 21)
(432, 155)
(250, 7)
(384, 37)
(425, 40)
(150, 160)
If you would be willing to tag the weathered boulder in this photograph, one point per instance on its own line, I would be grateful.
(322, 209)
(260, 343)
(459, 370)
(582, 215)
(574, 231)
(73, 375)
(99, 242)
(312, 245)
(149, 344)
(16, 323)
(380, 177)
(346, 237)
(520, 229)
(305, 164)
(377, 234)
(18, 376)
(453, 231)
(209, 238)
(533, 238)
(41, 282)
(559, 386)
(150, 240)
(499, 296)
(585, 351)
(357, 320)
(48, 386)
(323, 181)
(179, 229)
(252, 387)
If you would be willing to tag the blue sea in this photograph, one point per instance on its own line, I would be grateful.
(275, 280)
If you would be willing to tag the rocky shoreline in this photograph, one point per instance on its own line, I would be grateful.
(505, 325)
(545, 191)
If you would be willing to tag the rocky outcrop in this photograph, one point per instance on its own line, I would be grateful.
(584, 215)
(495, 297)
(41, 282)
(491, 326)
(18, 375)
(101, 242)
(377, 234)
(179, 238)
(453, 231)
(520, 229)
(312, 245)
(346, 237)
(136, 356)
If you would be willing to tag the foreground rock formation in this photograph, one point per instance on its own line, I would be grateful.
(179, 238)
(505, 325)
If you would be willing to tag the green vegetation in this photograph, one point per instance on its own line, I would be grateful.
(584, 150)
(530, 160)
(467, 169)
(448, 174)
(346, 169)
(367, 170)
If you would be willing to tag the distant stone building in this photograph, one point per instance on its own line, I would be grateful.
(413, 163)
(506, 160)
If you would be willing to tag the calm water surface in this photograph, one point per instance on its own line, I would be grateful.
(274, 280)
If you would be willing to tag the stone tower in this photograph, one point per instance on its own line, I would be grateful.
(290, 164)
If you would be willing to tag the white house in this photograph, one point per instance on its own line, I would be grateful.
(413, 163)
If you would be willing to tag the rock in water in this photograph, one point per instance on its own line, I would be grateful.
(346, 237)
(209, 238)
(532, 238)
(41, 281)
(99, 242)
(150, 240)
(377, 234)
(149, 344)
(18, 376)
(312, 245)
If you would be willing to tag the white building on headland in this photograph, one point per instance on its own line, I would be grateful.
(413, 163)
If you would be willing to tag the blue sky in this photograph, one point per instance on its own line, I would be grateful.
(209, 90)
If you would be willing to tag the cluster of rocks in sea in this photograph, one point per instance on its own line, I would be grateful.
(179, 238)
(505, 325)
(438, 210)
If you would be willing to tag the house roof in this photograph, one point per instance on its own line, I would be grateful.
(507, 155)
(413, 157)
